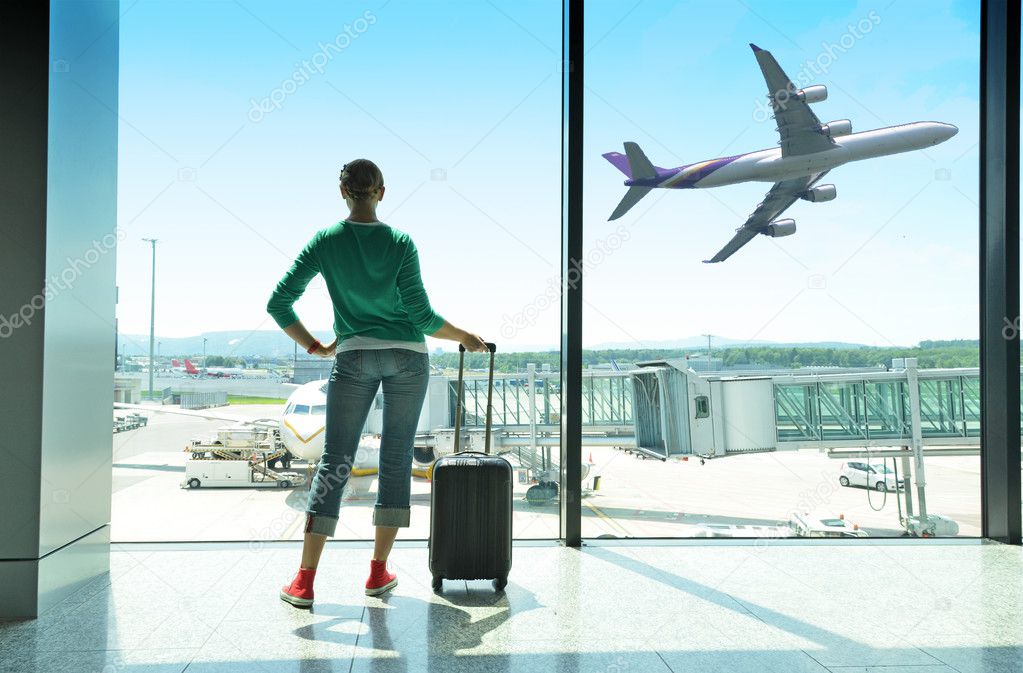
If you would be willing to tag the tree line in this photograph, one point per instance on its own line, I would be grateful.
(930, 355)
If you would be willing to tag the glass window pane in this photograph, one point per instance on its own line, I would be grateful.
(235, 131)
(781, 267)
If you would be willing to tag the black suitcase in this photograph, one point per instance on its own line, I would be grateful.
(471, 506)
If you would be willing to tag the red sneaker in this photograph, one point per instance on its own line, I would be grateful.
(379, 579)
(300, 592)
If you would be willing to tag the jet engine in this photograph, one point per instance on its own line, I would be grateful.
(780, 228)
(820, 194)
(840, 127)
(812, 94)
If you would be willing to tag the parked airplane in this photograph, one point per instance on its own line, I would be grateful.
(302, 424)
(808, 151)
(216, 372)
(224, 372)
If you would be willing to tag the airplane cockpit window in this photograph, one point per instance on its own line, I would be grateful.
(320, 409)
(301, 408)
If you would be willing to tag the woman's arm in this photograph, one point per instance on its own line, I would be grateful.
(288, 291)
(413, 295)
(290, 288)
(304, 339)
(472, 342)
(417, 304)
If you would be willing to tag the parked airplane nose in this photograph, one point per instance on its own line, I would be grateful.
(303, 435)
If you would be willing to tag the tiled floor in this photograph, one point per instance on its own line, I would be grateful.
(920, 608)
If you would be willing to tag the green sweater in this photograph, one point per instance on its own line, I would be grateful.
(372, 276)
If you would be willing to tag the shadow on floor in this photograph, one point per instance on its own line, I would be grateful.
(403, 633)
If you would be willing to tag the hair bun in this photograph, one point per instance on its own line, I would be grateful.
(361, 178)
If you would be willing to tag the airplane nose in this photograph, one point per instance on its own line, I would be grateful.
(303, 429)
(950, 130)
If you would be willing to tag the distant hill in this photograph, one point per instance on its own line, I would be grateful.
(700, 342)
(264, 343)
(261, 343)
(274, 343)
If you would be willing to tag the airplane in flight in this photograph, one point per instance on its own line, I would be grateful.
(808, 150)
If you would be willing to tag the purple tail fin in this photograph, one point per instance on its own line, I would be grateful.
(619, 161)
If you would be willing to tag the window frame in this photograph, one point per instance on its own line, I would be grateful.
(999, 270)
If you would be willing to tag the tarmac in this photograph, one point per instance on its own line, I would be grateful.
(637, 497)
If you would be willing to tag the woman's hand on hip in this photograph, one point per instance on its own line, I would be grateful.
(326, 351)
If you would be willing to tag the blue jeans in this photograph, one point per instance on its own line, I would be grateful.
(353, 385)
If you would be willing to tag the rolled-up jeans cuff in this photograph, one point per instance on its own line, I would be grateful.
(320, 525)
(393, 517)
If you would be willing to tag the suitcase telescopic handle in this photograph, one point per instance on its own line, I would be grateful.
(492, 347)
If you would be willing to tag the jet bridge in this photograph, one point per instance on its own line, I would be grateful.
(664, 409)
(679, 412)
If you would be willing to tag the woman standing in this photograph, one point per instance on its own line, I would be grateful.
(381, 312)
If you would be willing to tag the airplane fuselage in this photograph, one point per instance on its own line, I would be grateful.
(770, 166)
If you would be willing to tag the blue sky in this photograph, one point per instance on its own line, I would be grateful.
(459, 102)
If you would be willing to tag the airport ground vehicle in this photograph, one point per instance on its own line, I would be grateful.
(240, 472)
(933, 525)
(130, 422)
(741, 531)
(239, 456)
(868, 475)
(809, 525)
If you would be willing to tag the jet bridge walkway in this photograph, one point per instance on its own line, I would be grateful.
(665, 409)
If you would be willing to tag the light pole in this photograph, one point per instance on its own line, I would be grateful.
(152, 316)
(204, 355)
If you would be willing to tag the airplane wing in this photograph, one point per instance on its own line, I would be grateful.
(197, 413)
(797, 124)
(782, 195)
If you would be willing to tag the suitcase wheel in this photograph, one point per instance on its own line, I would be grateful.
(500, 583)
(438, 582)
